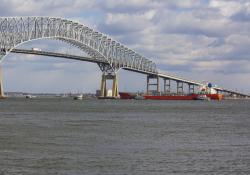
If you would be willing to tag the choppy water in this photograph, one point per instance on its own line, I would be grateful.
(62, 136)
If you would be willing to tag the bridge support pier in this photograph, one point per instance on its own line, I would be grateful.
(108, 74)
(106, 77)
(154, 84)
(179, 87)
(191, 88)
(167, 86)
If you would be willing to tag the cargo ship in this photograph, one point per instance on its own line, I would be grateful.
(127, 95)
(184, 97)
(206, 92)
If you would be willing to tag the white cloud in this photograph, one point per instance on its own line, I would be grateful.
(183, 4)
(45, 8)
(129, 23)
(227, 8)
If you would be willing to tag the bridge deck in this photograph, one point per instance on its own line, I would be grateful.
(60, 55)
(94, 60)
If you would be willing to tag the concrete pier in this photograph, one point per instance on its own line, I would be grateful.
(191, 88)
(106, 77)
(180, 87)
(155, 84)
(167, 86)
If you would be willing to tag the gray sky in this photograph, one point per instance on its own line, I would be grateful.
(206, 40)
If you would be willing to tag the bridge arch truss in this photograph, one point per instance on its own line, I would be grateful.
(17, 30)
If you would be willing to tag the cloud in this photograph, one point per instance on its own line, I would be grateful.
(45, 8)
(121, 24)
(226, 8)
(125, 6)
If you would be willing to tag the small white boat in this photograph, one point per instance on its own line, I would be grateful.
(78, 97)
(30, 96)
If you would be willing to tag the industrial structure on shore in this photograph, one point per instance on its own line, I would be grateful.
(109, 54)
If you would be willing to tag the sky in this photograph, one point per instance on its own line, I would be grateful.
(203, 40)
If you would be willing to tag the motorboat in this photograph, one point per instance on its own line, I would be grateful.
(78, 97)
(30, 96)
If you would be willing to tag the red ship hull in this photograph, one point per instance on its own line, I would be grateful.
(182, 97)
(126, 95)
(170, 97)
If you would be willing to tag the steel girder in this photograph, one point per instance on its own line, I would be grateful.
(17, 30)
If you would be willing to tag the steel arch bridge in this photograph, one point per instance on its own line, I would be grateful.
(17, 30)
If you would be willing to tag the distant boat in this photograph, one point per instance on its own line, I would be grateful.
(30, 96)
(78, 97)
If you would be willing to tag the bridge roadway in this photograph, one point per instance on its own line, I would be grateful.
(96, 60)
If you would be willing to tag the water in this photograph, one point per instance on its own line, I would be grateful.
(115, 137)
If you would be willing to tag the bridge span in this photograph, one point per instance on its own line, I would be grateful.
(166, 77)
